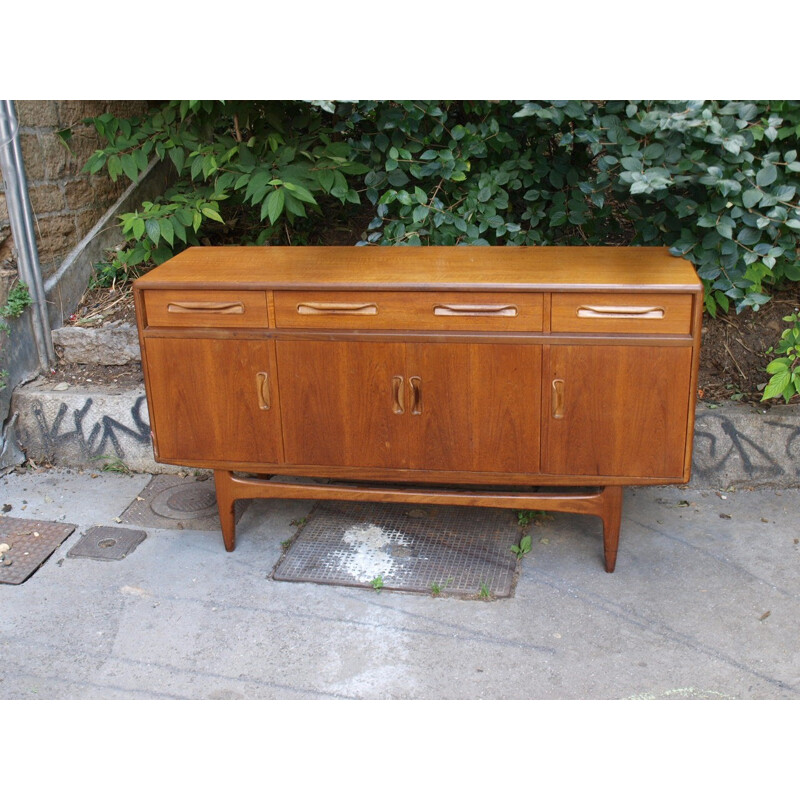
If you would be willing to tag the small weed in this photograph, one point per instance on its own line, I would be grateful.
(436, 588)
(298, 523)
(484, 591)
(524, 546)
(113, 464)
(525, 518)
(377, 583)
(285, 544)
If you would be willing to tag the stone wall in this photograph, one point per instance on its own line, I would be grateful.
(66, 202)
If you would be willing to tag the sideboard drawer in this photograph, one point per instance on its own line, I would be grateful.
(628, 312)
(450, 311)
(190, 308)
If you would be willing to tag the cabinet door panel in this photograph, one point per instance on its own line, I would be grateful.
(616, 411)
(214, 400)
(341, 403)
(478, 407)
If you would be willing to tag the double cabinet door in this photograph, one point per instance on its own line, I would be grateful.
(470, 407)
(555, 409)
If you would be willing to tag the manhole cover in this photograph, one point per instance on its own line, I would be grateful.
(172, 501)
(440, 550)
(186, 502)
(30, 543)
(107, 544)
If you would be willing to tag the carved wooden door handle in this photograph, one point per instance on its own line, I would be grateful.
(397, 395)
(208, 306)
(558, 398)
(621, 312)
(416, 395)
(262, 389)
(474, 310)
(360, 309)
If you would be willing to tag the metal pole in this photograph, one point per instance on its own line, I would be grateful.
(20, 217)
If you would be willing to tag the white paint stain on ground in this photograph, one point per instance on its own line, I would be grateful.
(369, 555)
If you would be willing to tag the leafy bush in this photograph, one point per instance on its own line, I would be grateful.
(261, 161)
(785, 370)
(717, 182)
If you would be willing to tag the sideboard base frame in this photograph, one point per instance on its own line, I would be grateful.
(603, 502)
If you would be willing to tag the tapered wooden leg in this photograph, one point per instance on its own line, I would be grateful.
(612, 517)
(223, 482)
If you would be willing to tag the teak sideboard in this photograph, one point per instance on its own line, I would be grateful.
(533, 378)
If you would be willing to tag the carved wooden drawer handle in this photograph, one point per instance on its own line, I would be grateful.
(558, 398)
(621, 312)
(262, 388)
(472, 310)
(416, 395)
(397, 395)
(188, 307)
(362, 309)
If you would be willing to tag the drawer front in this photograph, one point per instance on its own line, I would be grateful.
(202, 309)
(629, 312)
(447, 311)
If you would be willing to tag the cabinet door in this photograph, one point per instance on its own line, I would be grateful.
(214, 400)
(616, 411)
(474, 407)
(343, 403)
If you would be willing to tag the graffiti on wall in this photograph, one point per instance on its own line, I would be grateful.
(88, 440)
(725, 449)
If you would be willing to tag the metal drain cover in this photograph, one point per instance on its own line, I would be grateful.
(172, 501)
(107, 544)
(441, 550)
(30, 544)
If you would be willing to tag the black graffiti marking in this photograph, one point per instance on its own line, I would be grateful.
(756, 461)
(107, 431)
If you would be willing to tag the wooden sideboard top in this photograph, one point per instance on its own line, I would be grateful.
(427, 268)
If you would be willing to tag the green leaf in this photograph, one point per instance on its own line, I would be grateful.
(750, 197)
(153, 230)
(777, 385)
(129, 166)
(138, 228)
(325, 180)
(419, 193)
(275, 203)
(178, 157)
(166, 230)
(114, 166)
(300, 193)
(211, 213)
(420, 213)
(766, 175)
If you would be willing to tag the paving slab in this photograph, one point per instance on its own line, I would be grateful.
(704, 604)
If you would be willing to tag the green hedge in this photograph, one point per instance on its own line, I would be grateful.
(716, 181)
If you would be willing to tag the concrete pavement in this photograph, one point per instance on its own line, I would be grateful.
(704, 604)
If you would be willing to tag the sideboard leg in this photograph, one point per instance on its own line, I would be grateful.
(225, 504)
(612, 517)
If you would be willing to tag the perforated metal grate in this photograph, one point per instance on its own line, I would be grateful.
(445, 550)
(30, 544)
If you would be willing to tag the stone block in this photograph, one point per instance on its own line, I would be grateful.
(79, 193)
(55, 156)
(83, 427)
(37, 113)
(32, 157)
(116, 343)
(46, 198)
(71, 112)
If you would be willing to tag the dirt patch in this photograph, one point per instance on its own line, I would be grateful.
(733, 355)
